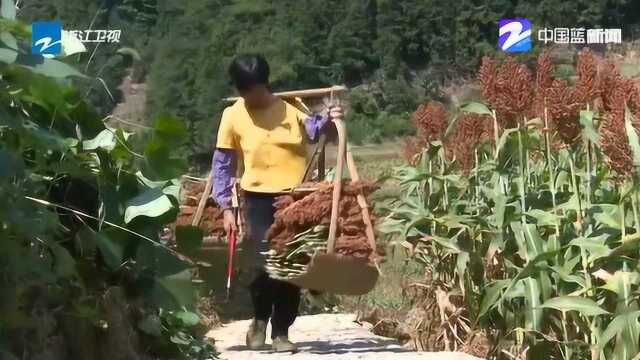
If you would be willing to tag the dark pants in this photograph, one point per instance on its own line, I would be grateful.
(271, 298)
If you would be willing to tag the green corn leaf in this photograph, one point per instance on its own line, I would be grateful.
(492, 293)
(620, 283)
(503, 139)
(544, 218)
(532, 267)
(532, 300)
(595, 247)
(618, 325)
(607, 215)
(584, 306)
(588, 129)
(476, 108)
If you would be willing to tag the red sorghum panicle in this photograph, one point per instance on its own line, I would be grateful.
(587, 87)
(609, 79)
(508, 88)
(471, 130)
(564, 111)
(615, 143)
(430, 121)
(544, 80)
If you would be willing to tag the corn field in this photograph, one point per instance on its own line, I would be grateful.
(525, 210)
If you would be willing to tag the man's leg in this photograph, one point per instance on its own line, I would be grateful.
(259, 218)
(286, 300)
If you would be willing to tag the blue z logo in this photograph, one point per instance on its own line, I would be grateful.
(514, 35)
(46, 38)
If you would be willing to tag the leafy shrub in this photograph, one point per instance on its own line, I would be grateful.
(80, 209)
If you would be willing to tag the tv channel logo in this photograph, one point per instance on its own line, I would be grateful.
(514, 35)
(46, 38)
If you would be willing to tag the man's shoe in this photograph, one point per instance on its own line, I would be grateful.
(257, 334)
(282, 344)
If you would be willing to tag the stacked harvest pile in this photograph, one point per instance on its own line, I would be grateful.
(301, 228)
(211, 221)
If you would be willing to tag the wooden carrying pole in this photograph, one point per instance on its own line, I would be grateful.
(303, 93)
(337, 184)
(202, 203)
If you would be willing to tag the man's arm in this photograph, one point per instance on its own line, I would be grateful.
(224, 171)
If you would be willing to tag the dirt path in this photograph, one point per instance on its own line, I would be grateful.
(325, 337)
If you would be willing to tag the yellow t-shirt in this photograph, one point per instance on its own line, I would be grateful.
(270, 142)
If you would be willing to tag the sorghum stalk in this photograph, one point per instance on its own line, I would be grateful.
(634, 206)
(552, 182)
(496, 133)
(445, 193)
(565, 335)
(522, 175)
(477, 171)
(588, 177)
(576, 190)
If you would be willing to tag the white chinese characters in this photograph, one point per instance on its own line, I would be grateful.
(97, 36)
(580, 36)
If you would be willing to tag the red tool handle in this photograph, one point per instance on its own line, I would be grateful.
(232, 250)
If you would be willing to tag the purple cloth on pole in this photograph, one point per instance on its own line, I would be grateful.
(314, 125)
(224, 162)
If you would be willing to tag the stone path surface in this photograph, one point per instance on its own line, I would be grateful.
(324, 337)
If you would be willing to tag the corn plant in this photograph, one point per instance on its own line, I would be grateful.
(527, 206)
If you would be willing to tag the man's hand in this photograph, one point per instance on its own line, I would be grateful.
(335, 112)
(229, 221)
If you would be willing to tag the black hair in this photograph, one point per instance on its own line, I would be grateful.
(248, 70)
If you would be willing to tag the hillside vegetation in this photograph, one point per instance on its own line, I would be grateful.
(396, 53)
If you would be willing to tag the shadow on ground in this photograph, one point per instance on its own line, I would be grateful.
(358, 345)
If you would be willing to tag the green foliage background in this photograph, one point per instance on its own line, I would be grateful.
(397, 52)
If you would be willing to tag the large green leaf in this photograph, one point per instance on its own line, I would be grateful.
(151, 203)
(151, 325)
(64, 263)
(9, 40)
(174, 291)
(8, 56)
(170, 130)
(161, 164)
(584, 306)
(112, 243)
(106, 140)
(632, 136)
(48, 67)
(187, 318)
(8, 10)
